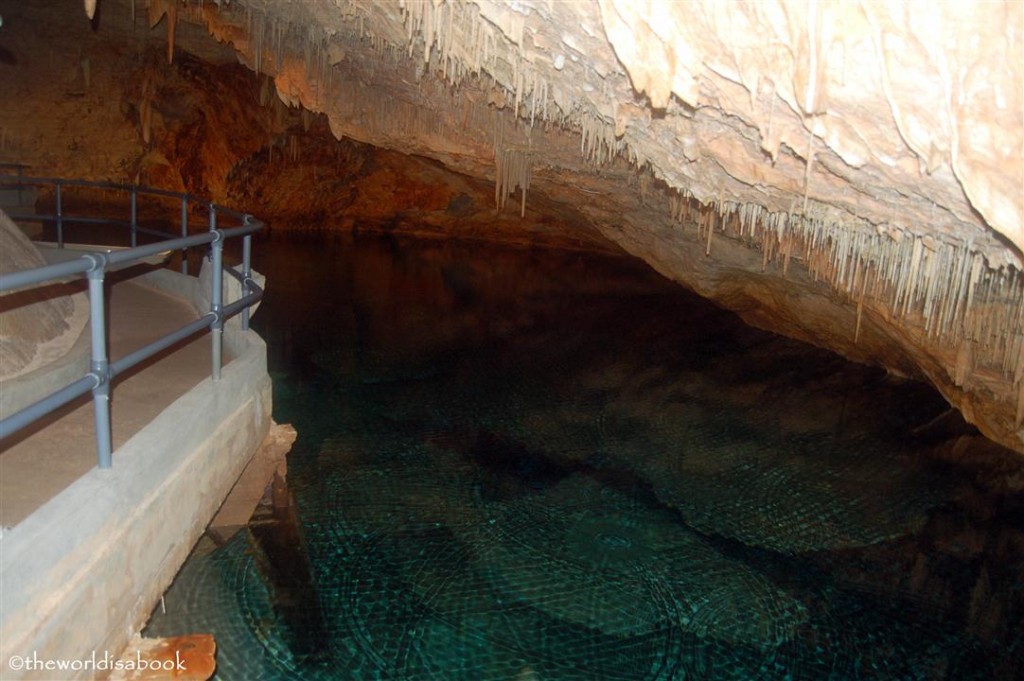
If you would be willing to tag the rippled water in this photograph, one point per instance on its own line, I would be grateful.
(549, 466)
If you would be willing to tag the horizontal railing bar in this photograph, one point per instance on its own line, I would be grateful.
(162, 192)
(33, 217)
(154, 232)
(51, 402)
(162, 343)
(94, 184)
(235, 273)
(89, 220)
(83, 264)
(139, 252)
(80, 387)
(222, 211)
(95, 263)
(251, 228)
(236, 307)
(86, 220)
(87, 262)
(38, 275)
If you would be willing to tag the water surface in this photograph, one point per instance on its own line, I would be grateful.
(532, 465)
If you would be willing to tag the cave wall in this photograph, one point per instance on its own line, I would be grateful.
(103, 100)
(849, 174)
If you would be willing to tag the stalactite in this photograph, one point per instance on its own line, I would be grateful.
(172, 27)
(711, 229)
(945, 288)
(293, 148)
(513, 170)
(146, 108)
(266, 84)
(860, 303)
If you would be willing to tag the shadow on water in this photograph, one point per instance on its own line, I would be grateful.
(278, 549)
(533, 465)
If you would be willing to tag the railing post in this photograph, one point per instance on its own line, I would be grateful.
(184, 233)
(135, 217)
(60, 218)
(99, 364)
(217, 293)
(246, 273)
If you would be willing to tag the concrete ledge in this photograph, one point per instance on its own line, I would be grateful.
(83, 572)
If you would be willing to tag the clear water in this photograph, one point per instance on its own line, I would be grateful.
(550, 466)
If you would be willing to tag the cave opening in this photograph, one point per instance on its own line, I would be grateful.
(528, 449)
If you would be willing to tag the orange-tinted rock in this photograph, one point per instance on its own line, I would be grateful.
(182, 658)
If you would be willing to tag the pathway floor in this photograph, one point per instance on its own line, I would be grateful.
(39, 462)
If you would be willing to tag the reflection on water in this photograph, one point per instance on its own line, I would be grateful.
(547, 466)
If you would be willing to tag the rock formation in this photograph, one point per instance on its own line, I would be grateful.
(35, 326)
(850, 174)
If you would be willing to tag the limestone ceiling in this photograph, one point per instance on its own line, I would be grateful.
(896, 117)
(879, 146)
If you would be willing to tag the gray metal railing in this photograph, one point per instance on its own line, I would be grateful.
(95, 265)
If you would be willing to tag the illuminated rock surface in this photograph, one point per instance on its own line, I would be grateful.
(846, 174)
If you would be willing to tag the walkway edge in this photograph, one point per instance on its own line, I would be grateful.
(82, 574)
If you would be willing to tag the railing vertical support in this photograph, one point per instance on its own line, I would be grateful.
(135, 217)
(99, 364)
(246, 274)
(217, 293)
(184, 233)
(60, 218)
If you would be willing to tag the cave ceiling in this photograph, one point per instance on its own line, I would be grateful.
(878, 145)
(848, 173)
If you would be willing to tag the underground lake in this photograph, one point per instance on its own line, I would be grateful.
(549, 465)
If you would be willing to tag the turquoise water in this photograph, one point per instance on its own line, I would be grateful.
(549, 466)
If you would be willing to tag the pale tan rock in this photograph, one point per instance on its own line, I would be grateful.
(32, 322)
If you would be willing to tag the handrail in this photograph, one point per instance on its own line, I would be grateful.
(94, 266)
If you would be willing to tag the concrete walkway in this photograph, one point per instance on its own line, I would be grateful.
(42, 460)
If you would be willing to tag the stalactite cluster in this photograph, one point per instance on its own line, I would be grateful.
(495, 73)
(464, 43)
(945, 289)
(513, 172)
